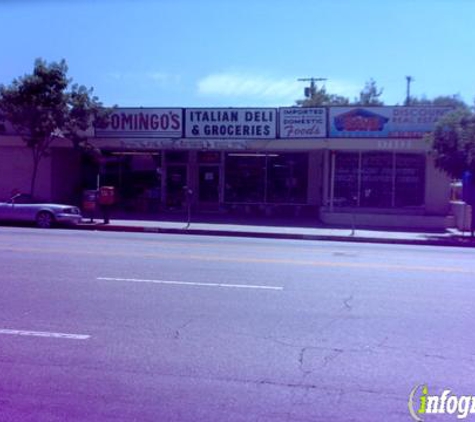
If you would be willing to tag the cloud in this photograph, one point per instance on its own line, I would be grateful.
(163, 78)
(241, 85)
(160, 78)
(116, 76)
(261, 89)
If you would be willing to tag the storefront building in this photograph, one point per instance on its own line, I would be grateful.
(337, 164)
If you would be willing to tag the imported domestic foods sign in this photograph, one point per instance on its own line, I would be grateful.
(303, 122)
(383, 122)
(234, 123)
(144, 123)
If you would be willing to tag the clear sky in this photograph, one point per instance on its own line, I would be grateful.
(205, 53)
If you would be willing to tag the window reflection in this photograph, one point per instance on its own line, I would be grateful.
(376, 179)
(266, 178)
(410, 180)
(346, 178)
(245, 178)
(379, 179)
(287, 178)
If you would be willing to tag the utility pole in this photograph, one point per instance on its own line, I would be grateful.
(312, 90)
(409, 79)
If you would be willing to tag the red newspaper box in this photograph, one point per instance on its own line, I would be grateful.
(106, 195)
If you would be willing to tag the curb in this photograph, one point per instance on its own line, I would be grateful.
(455, 242)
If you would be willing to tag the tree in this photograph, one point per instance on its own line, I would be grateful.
(320, 97)
(440, 101)
(370, 94)
(453, 142)
(45, 106)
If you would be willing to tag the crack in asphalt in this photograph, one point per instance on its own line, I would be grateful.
(347, 301)
(177, 333)
(301, 360)
(331, 357)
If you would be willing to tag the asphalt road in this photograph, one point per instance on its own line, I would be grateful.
(145, 327)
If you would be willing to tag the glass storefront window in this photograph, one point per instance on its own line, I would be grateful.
(287, 178)
(176, 157)
(410, 180)
(176, 176)
(136, 176)
(274, 178)
(209, 157)
(245, 177)
(208, 183)
(346, 179)
(376, 179)
(379, 179)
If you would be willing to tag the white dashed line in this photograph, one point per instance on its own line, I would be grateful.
(192, 283)
(44, 334)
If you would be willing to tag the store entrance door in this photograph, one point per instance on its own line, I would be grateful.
(175, 182)
(208, 187)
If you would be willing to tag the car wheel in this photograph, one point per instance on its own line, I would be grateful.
(44, 220)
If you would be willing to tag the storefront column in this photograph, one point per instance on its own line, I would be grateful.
(437, 189)
(325, 178)
(332, 179)
(163, 181)
(222, 182)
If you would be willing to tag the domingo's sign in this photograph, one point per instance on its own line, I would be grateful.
(144, 123)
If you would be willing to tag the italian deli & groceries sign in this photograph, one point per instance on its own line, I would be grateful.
(231, 123)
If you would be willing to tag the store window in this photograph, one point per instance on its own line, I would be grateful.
(410, 180)
(273, 178)
(287, 178)
(176, 157)
(245, 177)
(378, 179)
(136, 177)
(346, 179)
(209, 157)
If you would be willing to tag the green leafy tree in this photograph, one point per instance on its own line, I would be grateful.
(370, 95)
(318, 97)
(454, 101)
(453, 142)
(45, 105)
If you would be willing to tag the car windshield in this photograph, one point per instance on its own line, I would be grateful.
(23, 198)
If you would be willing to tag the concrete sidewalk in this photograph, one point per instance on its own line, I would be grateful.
(450, 237)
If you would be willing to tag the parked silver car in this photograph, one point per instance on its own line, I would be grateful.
(20, 208)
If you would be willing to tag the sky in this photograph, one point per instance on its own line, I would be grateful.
(244, 53)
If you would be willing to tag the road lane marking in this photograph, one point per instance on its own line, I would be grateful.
(193, 283)
(44, 334)
(220, 258)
